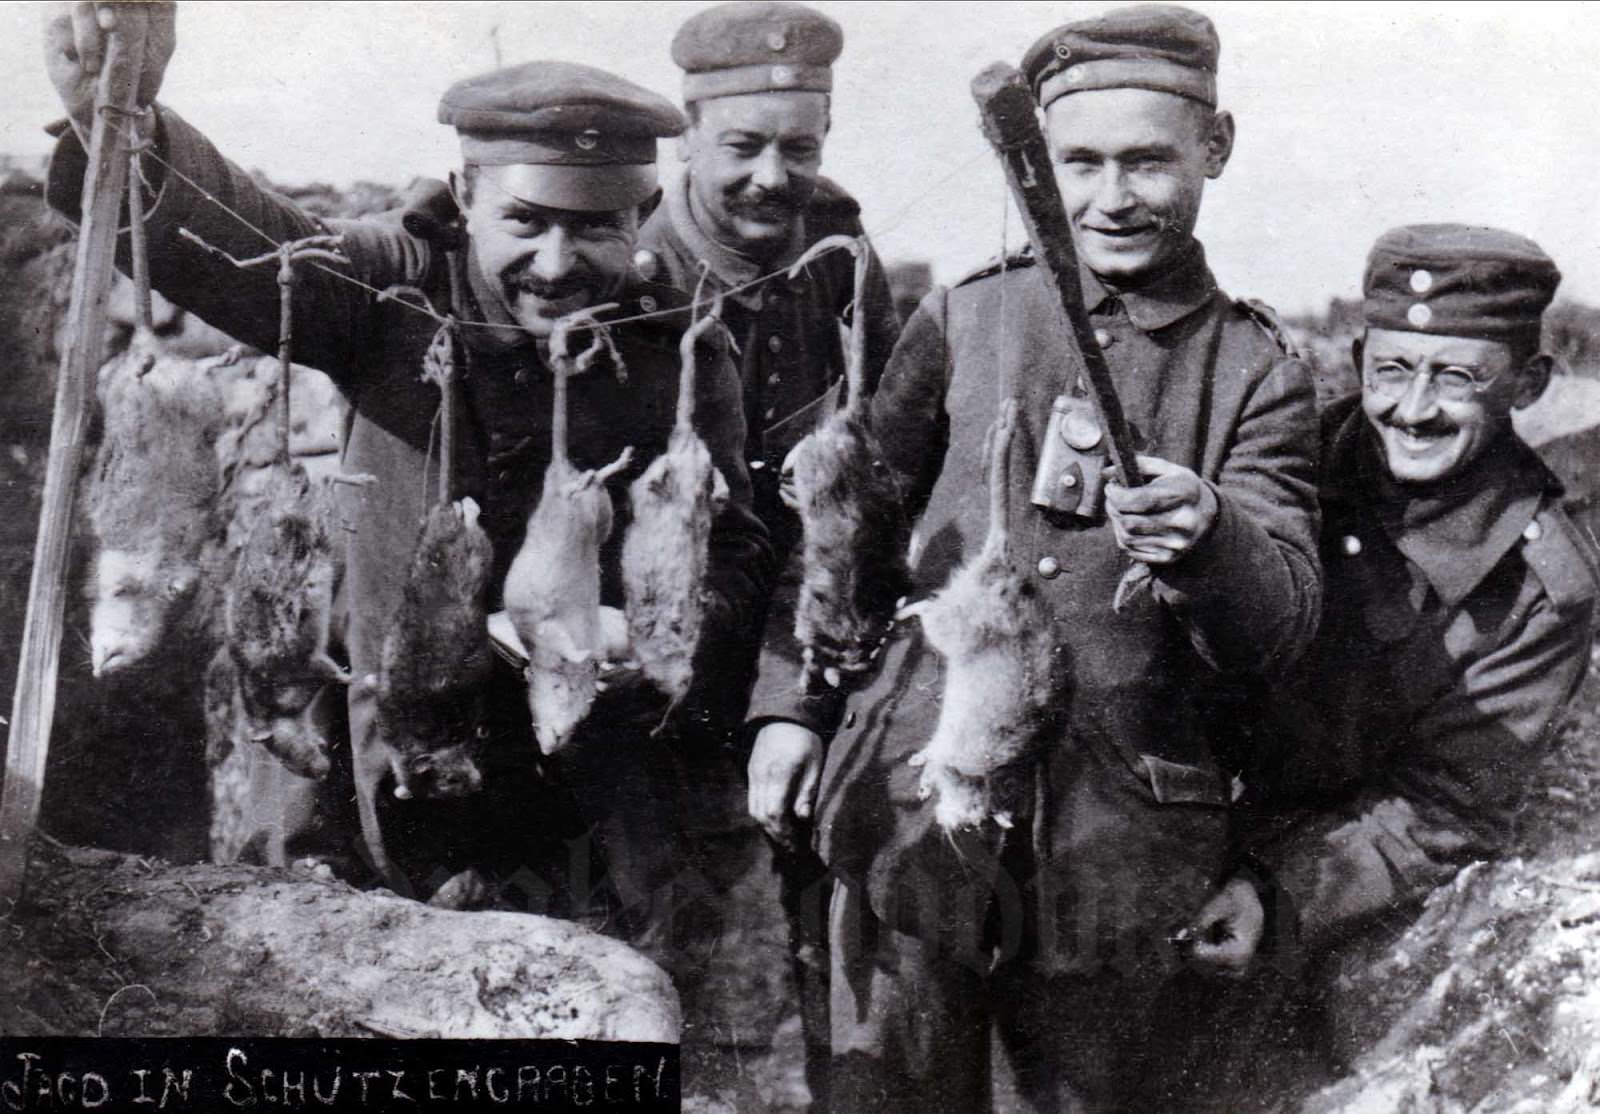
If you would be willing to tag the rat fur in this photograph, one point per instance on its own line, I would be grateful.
(665, 553)
(278, 608)
(994, 631)
(853, 554)
(552, 590)
(436, 661)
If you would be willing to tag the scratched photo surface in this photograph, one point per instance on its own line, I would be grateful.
(138, 919)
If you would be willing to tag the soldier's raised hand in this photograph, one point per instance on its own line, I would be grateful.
(75, 41)
(1162, 520)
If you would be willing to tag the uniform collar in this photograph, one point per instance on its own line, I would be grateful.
(729, 267)
(1169, 297)
(1455, 533)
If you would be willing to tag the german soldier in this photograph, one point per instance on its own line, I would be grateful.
(756, 88)
(1054, 931)
(558, 160)
(1457, 622)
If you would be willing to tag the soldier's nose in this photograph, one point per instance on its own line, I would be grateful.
(554, 255)
(1419, 403)
(769, 172)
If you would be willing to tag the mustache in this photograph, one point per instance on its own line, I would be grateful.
(547, 289)
(763, 203)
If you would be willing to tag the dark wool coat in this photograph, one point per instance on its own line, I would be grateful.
(1125, 832)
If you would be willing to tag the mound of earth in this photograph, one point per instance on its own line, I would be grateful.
(110, 944)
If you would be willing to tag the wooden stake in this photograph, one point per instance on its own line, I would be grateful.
(33, 710)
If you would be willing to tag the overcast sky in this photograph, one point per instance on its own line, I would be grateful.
(1352, 117)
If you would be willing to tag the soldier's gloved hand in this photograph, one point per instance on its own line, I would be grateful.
(785, 766)
(1165, 518)
(1228, 930)
(75, 47)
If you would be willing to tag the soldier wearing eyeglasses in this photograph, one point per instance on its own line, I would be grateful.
(1457, 622)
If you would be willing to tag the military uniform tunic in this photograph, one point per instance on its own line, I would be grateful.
(373, 350)
(1456, 627)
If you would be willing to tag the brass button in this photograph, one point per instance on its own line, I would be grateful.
(648, 303)
(1351, 545)
(757, 465)
(771, 410)
(1103, 338)
(1049, 568)
(775, 343)
(521, 377)
(772, 380)
(1533, 532)
(1068, 479)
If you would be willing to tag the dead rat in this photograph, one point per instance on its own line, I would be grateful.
(277, 610)
(552, 590)
(664, 555)
(855, 528)
(994, 632)
(436, 659)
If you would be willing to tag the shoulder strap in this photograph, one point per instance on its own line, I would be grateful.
(1270, 323)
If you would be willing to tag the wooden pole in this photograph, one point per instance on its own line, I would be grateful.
(1011, 124)
(33, 709)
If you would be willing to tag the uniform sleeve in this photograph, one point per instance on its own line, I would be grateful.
(332, 315)
(1251, 591)
(1458, 775)
(741, 564)
(909, 419)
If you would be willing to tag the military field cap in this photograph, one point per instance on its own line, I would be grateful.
(1458, 280)
(756, 46)
(1149, 46)
(585, 139)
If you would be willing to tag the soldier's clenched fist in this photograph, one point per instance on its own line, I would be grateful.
(76, 35)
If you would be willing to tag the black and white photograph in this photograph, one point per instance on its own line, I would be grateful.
(800, 557)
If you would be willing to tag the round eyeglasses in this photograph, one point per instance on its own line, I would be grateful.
(1453, 384)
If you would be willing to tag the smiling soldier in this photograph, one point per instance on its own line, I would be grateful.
(1052, 931)
(1458, 617)
(757, 88)
(558, 159)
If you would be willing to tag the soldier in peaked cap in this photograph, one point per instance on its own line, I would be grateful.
(757, 83)
(1457, 621)
(1053, 932)
(558, 159)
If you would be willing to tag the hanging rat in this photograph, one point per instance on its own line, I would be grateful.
(855, 528)
(436, 662)
(664, 554)
(1002, 671)
(552, 590)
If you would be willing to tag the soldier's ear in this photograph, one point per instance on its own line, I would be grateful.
(1219, 143)
(1532, 379)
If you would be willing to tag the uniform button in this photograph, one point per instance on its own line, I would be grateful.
(757, 465)
(1049, 568)
(771, 410)
(775, 343)
(1103, 338)
(505, 477)
(1351, 545)
(1069, 480)
(772, 380)
(1533, 532)
(849, 719)
(521, 377)
(648, 304)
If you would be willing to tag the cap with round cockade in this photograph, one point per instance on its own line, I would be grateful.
(1149, 46)
(1458, 280)
(586, 138)
(756, 46)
